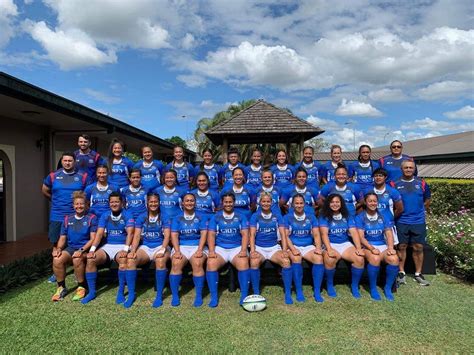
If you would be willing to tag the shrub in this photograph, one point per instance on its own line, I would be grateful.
(451, 195)
(452, 237)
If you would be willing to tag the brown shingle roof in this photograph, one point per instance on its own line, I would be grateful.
(263, 122)
(451, 170)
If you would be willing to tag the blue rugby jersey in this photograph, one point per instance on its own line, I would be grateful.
(266, 228)
(394, 166)
(151, 173)
(62, 186)
(87, 163)
(228, 230)
(373, 228)
(115, 228)
(185, 172)
(328, 171)
(226, 173)
(253, 176)
(118, 175)
(151, 230)
(206, 203)
(300, 231)
(78, 230)
(350, 193)
(243, 199)
(310, 194)
(414, 193)
(189, 229)
(276, 194)
(170, 202)
(338, 229)
(98, 198)
(212, 172)
(313, 170)
(362, 176)
(386, 200)
(134, 199)
(283, 176)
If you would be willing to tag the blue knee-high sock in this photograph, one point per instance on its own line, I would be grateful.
(160, 281)
(287, 275)
(213, 284)
(391, 272)
(318, 273)
(330, 282)
(121, 289)
(373, 272)
(255, 280)
(91, 278)
(356, 276)
(198, 286)
(298, 281)
(244, 278)
(175, 281)
(131, 277)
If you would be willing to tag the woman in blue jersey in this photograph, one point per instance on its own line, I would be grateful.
(184, 170)
(304, 242)
(392, 163)
(170, 196)
(336, 226)
(150, 244)
(211, 169)
(328, 169)
(361, 171)
(283, 173)
(254, 171)
(266, 228)
(117, 229)
(310, 193)
(244, 196)
(233, 161)
(227, 239)
(134, 195)
(77, 234)
(207, 200)
(349, 191)
(188, 236)
(119, 165)
(375, 232)
(269, 187)
(151, 169)
(97, 193)
(311, 166)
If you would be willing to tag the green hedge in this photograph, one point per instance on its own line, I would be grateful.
(23, 271)
(450, 195)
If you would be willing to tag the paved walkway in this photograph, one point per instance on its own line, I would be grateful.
(25, 247)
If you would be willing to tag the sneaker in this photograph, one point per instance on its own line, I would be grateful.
(401, 278)
(421, 280)
(61, 292)
(80, 294)
(52, 279)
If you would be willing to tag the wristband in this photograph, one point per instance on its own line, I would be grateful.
(126, 248)
(93, 249)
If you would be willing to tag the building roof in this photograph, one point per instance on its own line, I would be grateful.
(450, 170)
(263, 122)
(21, 90)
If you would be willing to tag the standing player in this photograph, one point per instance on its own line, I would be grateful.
(227, 240)
(207, 200)
(77, 234)
(87, 160)
(336, 225)
(188, 236)
(375, 233)
(392, 163)
(265, 230)
(411, 224)
(310, 194)
(151, 169)
(211, 169)
(269, 187)
(117, 229)
(328, 169)
(253, 174)
(361, 172)
(170, 197)
(134, 195)
(311, 166)
(97, 193)
(119, 165)
(184, 170)
(283, 173)
(304, 242)
(244, 196)
(233, 157)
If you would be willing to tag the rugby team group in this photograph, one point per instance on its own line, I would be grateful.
(106, 209)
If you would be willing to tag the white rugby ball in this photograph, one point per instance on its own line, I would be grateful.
(254, 303)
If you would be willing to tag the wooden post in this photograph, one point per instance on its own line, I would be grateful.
(301, 146)
(288, 149)
(225, 148)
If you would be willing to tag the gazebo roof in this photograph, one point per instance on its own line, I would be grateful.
(263, 122)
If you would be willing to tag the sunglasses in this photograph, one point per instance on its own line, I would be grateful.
(396, 146)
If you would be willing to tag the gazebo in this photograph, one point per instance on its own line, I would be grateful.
(260, 123)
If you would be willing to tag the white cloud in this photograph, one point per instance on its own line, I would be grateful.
(188, 41)
(445, 90)
(327, 125)
(8, 11)
(192, 80)
(101, 96)
(430, 124)
(72, 49)
(464, 112)
(194, 111)
(388, 95)
(355, 108)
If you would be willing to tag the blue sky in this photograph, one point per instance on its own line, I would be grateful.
(374, 69)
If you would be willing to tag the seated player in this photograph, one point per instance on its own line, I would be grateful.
(244, 195)
(269, 187)
(265, 230)
(227, 240)
(300, 186)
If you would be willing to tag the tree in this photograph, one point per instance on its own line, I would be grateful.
(177, 141)
(318, 144)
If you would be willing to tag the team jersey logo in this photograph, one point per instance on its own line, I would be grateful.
(76, 178)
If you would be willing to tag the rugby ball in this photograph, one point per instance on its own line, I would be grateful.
(254, 303)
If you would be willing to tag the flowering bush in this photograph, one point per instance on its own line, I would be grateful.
(452, 237)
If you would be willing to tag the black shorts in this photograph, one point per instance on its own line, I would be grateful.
(411, 233)
(54, 231)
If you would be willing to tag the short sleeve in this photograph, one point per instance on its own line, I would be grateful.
(253, 219)
(175, 225)
(63, 227)
(314, 222)
(140, 220)
(359, 221)
(323, 222)
(244, 222)
(48, 180)
(351, 222)
(103, 220)
(93, 223)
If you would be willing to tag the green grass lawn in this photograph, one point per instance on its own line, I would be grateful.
(438, 318)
